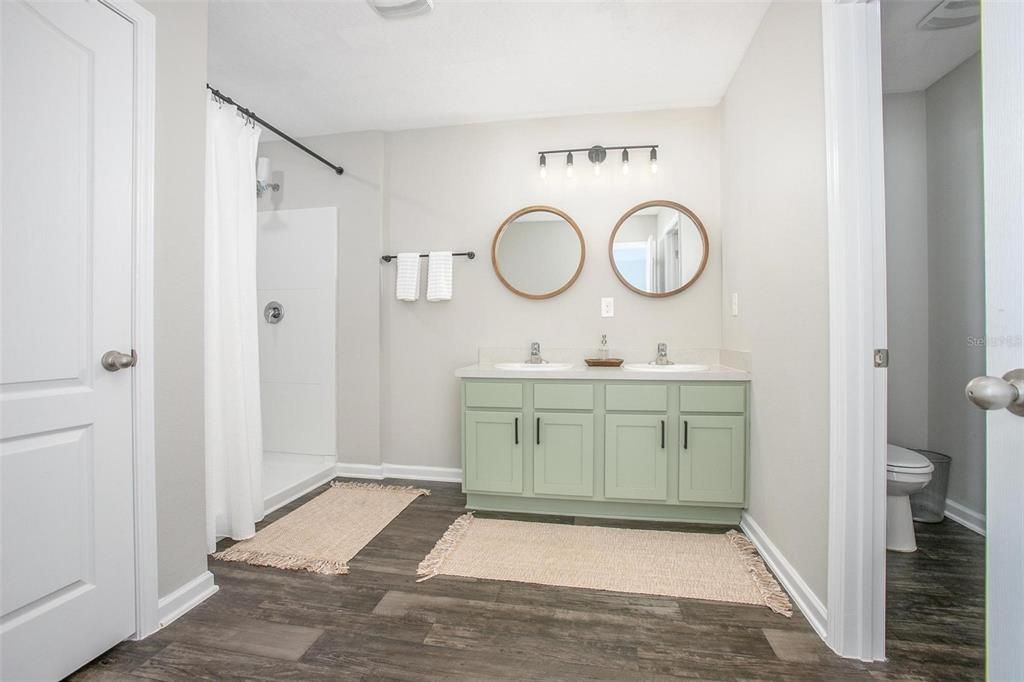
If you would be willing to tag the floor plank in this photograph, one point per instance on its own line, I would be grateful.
(378, 623)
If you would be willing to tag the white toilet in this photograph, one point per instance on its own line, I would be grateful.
(906, 472)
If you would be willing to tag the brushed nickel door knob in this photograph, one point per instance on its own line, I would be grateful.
(994, 393)
(114, 360)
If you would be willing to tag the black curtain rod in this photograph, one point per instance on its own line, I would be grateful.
(468, 254)
(610, 149)
(288, 138)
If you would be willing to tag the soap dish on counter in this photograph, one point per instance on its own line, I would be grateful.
(603, 362)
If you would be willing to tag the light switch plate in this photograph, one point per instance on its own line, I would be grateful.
(607, 307)
(735, 305)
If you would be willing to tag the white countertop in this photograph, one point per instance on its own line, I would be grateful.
(584, 373)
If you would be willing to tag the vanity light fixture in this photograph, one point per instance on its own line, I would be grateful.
(597, 155)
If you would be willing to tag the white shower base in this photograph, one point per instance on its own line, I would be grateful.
(287, 476)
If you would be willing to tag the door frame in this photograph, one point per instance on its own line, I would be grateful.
(147, 589)
(851, 44)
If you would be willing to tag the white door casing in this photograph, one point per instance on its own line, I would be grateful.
(1002, 64)
(75, 253)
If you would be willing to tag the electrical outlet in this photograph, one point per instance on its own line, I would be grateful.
(607, 307)
(735, 305)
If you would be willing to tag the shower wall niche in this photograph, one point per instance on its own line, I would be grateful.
(297, 269)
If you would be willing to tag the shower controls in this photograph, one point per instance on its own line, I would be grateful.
(273, 312)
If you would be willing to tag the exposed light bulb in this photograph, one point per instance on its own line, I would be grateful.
(543, 166)
(597, 169)
(654, 160)
(568, 165)
(625, 162)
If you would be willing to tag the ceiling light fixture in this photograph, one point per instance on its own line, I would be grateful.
(395, 9)
(597, 156)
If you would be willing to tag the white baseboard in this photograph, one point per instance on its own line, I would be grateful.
(968, 518)
(798, 590)
(415, 473)
(293, 492)
(185, 598)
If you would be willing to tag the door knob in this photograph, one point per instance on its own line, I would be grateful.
(114, 360)
(993, 393)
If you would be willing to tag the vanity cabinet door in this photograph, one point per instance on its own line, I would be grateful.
(635, 459)
(563, 454)
(712, 458)
(494, 451)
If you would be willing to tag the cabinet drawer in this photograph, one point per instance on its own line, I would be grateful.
(712, 398)
(563, 397)
(644, 398)
(494, 394)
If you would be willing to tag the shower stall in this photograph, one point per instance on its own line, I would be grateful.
(296, 292)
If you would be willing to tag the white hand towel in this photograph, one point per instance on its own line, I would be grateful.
(439, 276)
(407, 279)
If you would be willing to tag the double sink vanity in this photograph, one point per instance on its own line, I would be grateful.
(645, 440)
(641, 441)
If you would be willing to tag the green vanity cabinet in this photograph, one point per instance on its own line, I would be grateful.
(563, 454)
(635, 457)
(712, 458)
(494, 451)
(642, 449)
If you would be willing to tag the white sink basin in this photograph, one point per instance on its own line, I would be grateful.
(528, 367)
(645, 367)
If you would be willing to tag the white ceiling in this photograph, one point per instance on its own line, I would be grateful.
(324, 67)
(913, 59)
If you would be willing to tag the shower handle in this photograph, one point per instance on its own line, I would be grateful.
(273, 312)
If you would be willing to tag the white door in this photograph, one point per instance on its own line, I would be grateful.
(1002, 56)
(67, 579)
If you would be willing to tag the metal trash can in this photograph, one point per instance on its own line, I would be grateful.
(929, 503)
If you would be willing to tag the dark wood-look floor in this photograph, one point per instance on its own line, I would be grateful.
(378, 623)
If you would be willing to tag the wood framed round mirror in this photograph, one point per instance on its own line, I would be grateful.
(658, 248)
(538, 252)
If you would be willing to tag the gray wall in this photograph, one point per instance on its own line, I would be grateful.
(179, 208)
(775, 257)
(305, 183)
(906, 235)
(936, 279)
(956, 259)
(450, 189)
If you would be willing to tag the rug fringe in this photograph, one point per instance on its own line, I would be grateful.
(293, 563)
(772, 593)
(431, 565)
(366, 485)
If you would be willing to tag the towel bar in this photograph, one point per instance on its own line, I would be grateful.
(468, 254)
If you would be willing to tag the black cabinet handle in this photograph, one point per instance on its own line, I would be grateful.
(686, 434)
(517, 430)
(662, 434)
(538, 430)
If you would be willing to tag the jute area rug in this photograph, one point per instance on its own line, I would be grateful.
(323, 534)
(719, 567)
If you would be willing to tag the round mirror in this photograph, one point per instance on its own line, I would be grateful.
(658, 248)
(538, 252)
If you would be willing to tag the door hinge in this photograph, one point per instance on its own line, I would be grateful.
(881, 357)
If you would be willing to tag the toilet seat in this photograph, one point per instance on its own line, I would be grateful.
(903, 461)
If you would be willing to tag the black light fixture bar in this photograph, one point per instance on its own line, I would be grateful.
(287, 138)
(587, 149)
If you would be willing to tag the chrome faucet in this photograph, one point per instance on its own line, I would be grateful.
(662, 358)
(535, 358)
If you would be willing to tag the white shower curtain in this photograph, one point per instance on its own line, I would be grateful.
(234, 439)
